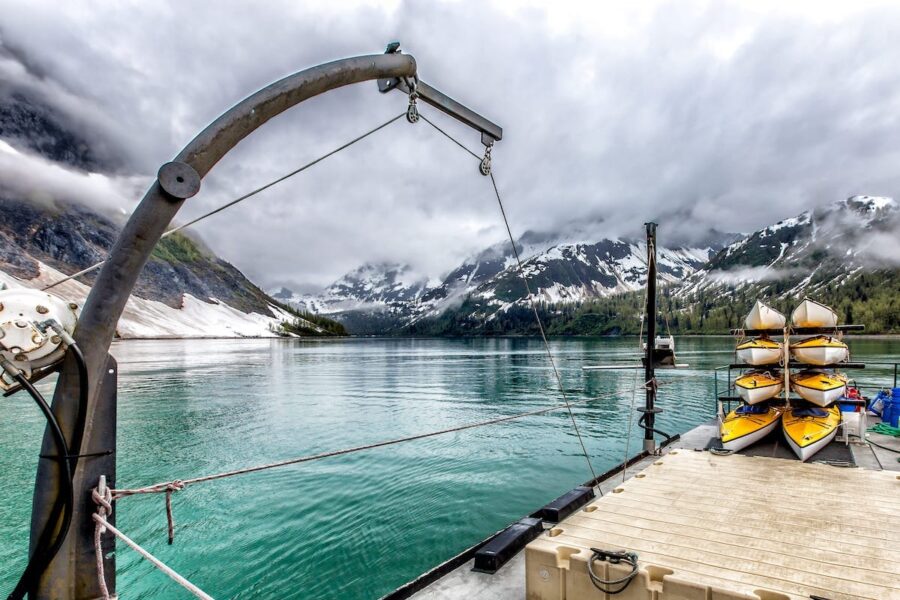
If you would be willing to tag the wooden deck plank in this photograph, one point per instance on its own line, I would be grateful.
(752, 523)
(769, 540)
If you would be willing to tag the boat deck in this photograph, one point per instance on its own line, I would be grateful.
(724, 523)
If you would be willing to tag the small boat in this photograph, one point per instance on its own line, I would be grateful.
(810, 428)
(820, 350)
(812, 314)
(819, 387)
(746, 425)
(760, 351)
(757, 386)
(663, 351)
(762, 316)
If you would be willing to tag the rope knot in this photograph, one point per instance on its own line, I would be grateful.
(103, 501)
(175, 486)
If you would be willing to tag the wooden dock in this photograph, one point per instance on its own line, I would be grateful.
(707, 526)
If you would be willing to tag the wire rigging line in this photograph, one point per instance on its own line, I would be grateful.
(531, 298)
(448, 136)
(179, 484)
(239, 199)
(540, 325)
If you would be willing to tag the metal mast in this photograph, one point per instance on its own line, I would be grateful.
(649, 373)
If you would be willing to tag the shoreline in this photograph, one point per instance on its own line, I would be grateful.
(860, 336)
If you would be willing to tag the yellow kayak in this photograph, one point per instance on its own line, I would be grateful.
(820, 350)
(809, 429)
(748, 424)
(757, 386)
(760, 351)
(819, 387)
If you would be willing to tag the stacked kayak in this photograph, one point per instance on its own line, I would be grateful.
(810, 313)
(809, 429)
(762, 316)
(758, 386)
(760, 351)
(748, 424)
(809, 422)
(809, 425)
(819, 387)
(820, 350)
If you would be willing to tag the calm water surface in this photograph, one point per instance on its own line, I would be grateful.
(356, 526)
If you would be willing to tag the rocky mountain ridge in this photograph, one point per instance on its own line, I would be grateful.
(387, 298)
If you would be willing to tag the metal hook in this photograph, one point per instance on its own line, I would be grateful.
(485, 166)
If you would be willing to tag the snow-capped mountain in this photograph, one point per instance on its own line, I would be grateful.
(387, 298)
(808, 252)
(822, 253)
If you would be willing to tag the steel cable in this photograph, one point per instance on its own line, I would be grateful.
(239, 199)
(531, 298)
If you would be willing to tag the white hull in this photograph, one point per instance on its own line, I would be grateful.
(806, 452)
(821, 356)
(813, 314)
(751, 438)
(819, 397)
(759, 356)
(756, 395)
(764, 317)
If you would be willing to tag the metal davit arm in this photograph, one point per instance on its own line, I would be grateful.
(72, 575)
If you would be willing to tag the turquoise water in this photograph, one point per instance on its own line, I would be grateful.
(355, 526)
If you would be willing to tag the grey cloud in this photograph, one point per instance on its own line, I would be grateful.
(669, 119)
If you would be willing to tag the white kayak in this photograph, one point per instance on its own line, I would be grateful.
(820, 350)
(760, 351)
(812, 314)
(762, 316)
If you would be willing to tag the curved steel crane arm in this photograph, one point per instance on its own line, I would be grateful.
(72, 575)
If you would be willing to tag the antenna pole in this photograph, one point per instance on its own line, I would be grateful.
(649, 373)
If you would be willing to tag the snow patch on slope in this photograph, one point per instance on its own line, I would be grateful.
(151, 319)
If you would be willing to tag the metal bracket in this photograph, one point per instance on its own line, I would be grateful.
(490, 131)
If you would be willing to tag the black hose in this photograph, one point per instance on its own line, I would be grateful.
(642, 423)
(42, 555)
(612, 587)
(44, 551)
(883, 447)
(81, 415)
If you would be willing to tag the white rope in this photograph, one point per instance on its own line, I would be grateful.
(101, 522)
(103, 498)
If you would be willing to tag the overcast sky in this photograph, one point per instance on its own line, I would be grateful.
(696, 114)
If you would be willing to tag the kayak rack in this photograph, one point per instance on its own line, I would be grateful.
(800, 330)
